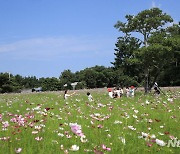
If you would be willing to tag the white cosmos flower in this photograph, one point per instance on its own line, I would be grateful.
(60, 134)
(97, 114)
(37, 108)
(38, 127)
(131, 127)
(136, 111)
(38, 138)
(170, 99)
(18, 150)
(34, 132)
(160, 133)
(144, 134)
(153, 136)
(123, 140)
(160, 142)
(118, 122)
(135, 116)
(74, 148)
(83, 139)
(147, 102)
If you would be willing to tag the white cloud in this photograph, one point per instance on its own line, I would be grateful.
(154, 5)
(45, 48)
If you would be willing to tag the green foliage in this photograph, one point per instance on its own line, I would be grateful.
(90, 77)
(160, 46)
(124, 50)
(145, 23)
(171, 73)
(50, 84)
(5, 83)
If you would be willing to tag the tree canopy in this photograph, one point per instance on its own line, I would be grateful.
(146, 58)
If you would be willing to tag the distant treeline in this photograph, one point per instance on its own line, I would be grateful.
(138, 62)
(94, 77)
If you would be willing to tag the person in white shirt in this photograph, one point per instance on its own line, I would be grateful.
(66, 95)
(119, 92)
(90, 98)
(110, 92)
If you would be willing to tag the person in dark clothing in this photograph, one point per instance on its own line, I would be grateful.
(157, 91)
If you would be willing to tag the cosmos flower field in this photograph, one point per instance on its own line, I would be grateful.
(46, 123)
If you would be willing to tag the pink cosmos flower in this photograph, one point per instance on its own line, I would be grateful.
(76, 129)
(13, 120)
(172, 137)
(97, 151)
(99, 126)
(149, 144)
(31, 124)
(106, 148)
(0, 117)
(5, 124)
(19, 119)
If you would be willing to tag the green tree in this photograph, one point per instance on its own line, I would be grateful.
(171, 74)
(67, 77)
(50, 84)
(8, 83)
(150, 57)
(124, 58)
(145, 23)
(90, 77)
(30, 82)
(5, 83)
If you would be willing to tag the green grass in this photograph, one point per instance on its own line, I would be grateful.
(160, 117)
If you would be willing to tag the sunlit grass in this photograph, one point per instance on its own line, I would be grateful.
(115, 123)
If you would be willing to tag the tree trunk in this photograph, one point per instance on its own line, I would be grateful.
(145, 40)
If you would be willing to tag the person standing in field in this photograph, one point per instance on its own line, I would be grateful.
(119, 92)
(110, 93)
(115, 93)
(131, 91)
(66, 95)
(90, 98)
(127, 92)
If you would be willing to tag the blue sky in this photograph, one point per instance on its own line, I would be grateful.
(42, 38)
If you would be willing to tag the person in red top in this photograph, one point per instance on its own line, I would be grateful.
(110, 92)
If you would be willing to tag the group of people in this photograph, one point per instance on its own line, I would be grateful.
(118, 92)
(113, 93)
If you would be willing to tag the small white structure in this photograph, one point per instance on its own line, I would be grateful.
(74, 85)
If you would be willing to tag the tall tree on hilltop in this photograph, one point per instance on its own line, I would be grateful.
(150, 57)
(145, 23)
